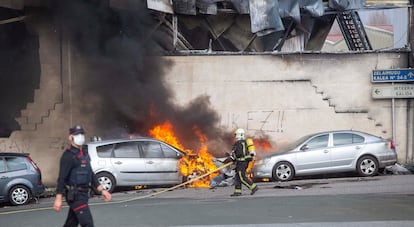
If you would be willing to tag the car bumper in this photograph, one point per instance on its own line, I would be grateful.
(387, 159)
(38, 190)
(259, 172)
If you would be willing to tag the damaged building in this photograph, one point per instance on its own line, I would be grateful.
(119, 67)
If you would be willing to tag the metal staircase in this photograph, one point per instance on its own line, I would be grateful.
(353, 31)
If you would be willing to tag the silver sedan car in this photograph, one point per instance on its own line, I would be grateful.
(327, 152)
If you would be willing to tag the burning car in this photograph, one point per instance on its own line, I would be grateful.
(132, 162)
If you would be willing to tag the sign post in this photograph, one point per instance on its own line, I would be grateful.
(392, 75)
(392, 91)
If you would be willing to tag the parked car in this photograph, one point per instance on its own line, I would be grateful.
(20, 178)
(328, 152)
(133, 162)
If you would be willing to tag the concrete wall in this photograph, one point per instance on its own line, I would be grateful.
(284, 96)
(288, 96)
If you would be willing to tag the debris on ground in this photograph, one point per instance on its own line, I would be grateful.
(398, 169)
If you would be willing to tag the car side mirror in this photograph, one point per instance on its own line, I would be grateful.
(304, 147)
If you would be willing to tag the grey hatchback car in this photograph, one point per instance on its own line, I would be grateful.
(133, 162)
(20, 178)
(327, 152)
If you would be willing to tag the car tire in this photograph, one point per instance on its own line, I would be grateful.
(19, 195)
(283, 171)
(107, 181)
(367, 166)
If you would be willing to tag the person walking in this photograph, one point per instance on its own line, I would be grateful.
(75, 180)
(242, 156)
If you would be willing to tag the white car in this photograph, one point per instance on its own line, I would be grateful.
(133, 162)
(327, 152)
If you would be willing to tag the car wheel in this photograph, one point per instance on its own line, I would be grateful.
(19, 195)
(107, 181)
(283, 171)
(367, 166)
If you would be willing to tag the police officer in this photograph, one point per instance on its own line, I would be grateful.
(75, 179)
(241, 155)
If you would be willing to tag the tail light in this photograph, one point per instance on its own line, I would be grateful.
(37, 169)
(392, 147)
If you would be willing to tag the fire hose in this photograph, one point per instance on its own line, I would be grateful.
(127, 200)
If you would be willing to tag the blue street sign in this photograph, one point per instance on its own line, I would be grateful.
(392, 75)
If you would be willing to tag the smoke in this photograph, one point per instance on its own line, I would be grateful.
(19, 69)
(123, 80)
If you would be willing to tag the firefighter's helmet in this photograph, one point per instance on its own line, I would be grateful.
(239, 134)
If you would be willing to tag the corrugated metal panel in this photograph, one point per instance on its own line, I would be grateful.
(265, 18)
(314, 7)
(185, 7)
(290, 8)
(160, 5)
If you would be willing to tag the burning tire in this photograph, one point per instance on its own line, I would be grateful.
(107, 181)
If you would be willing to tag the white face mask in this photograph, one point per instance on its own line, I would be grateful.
(79, 139)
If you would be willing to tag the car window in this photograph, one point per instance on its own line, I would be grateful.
(169, 152)
(16, 163)
(104, 151)
(346, 138)
(318, 142)
(2, 166)
(152, 149)
(126, 150)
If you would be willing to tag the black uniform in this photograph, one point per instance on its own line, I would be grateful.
(242, 158)
(76, 173)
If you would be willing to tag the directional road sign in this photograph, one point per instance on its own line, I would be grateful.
(393, 91)
(392, 75)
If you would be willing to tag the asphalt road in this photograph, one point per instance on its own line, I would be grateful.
(352, 201)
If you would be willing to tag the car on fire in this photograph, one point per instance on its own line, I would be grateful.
(20, 178)
(135, 162)
(327, 152)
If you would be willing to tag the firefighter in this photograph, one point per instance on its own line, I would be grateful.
(76, 179)
(242, 156)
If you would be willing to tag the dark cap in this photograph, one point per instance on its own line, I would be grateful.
(77, 129)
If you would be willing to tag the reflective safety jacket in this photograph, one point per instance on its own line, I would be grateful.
(241, 152)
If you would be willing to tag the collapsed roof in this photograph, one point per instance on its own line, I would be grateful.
(265, 25)
(241, 25)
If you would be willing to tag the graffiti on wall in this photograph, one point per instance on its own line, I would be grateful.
(264, 121)
(7, 145)
(24, 145)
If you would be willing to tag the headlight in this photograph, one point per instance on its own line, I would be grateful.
(262, 161)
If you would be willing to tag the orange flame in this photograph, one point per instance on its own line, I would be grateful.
(263, 145)
(194, 164)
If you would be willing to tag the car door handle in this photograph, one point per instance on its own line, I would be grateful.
(357, 147)
(325, 151)
(150, 162)
(118, 162)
